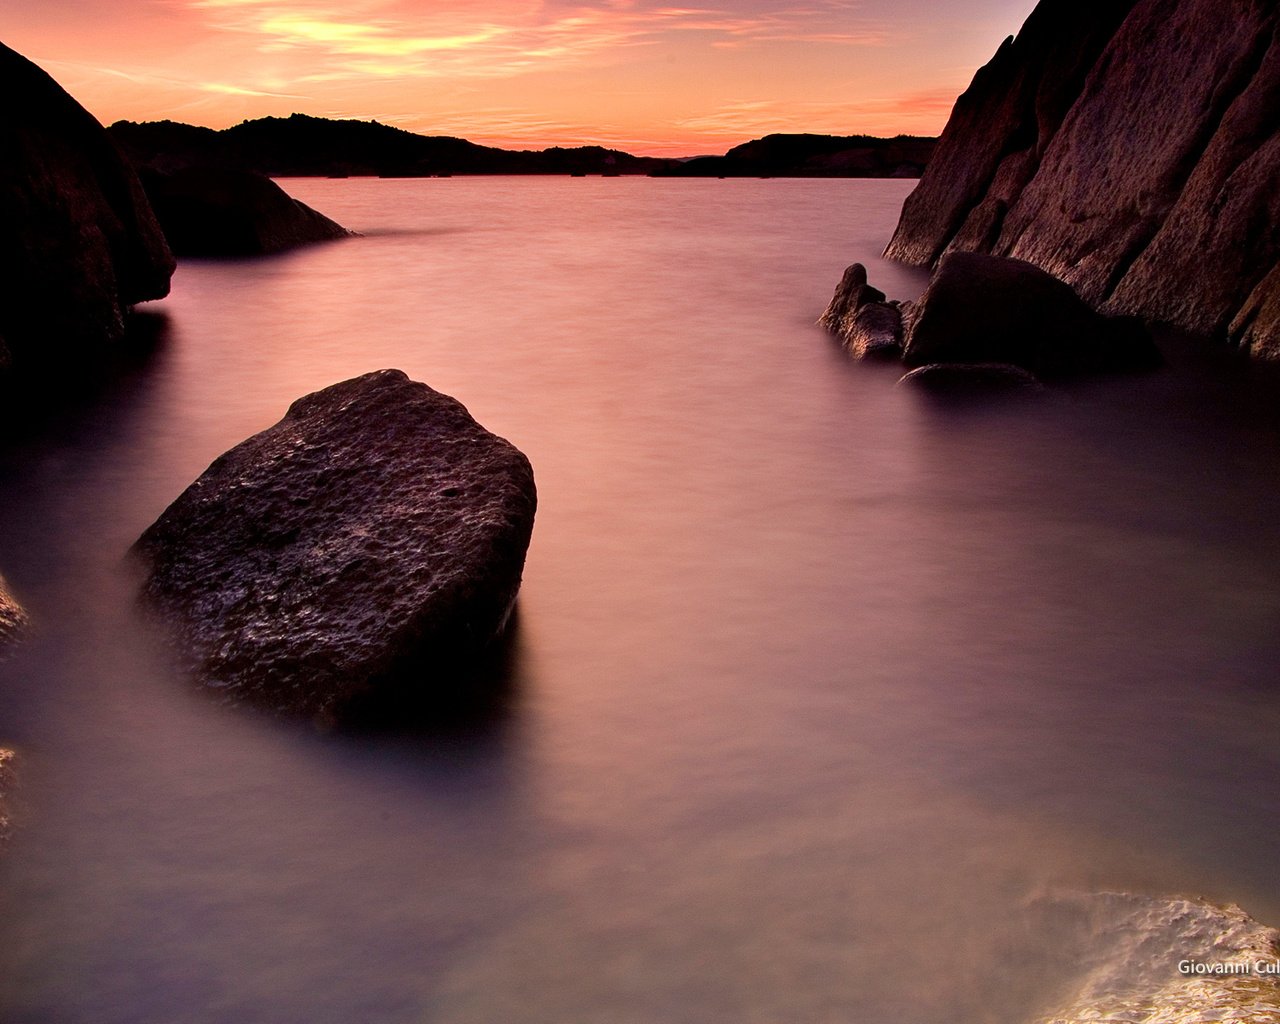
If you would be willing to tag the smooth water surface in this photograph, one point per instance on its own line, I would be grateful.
(823, 693)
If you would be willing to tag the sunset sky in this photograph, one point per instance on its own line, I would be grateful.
(646, 76)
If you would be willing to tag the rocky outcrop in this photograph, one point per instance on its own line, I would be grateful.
(206, 211)
(860, 317)
(1129, 148)
(986, 309)
(368, 544)
(13, 620)
(79, 240)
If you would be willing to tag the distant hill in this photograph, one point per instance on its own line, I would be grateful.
(300, 145)
(815, 156)
(317, 146)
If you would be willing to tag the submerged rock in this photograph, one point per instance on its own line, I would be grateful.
(985, 309)
(975, 379)
(208, 211)
(370, 543)
(79, 242)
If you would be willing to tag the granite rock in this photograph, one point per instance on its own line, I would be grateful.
(369, 544)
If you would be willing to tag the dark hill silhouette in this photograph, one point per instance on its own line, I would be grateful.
(316, 146)
(816, 156)
(311, 146)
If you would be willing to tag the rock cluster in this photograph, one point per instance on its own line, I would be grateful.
(1132, 149)
(988, 323)
(80, 244)
(369, 543)
(859, 316)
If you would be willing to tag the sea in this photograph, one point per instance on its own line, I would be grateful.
(828, 700)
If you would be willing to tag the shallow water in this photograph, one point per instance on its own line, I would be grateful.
(820, 689)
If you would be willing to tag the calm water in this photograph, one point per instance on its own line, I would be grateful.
(830, 704)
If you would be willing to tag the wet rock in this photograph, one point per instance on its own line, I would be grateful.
(208, 211)
(1155, 195)
(13, 619)
(971, 379)
(80, 244)
(859, 315)
(852, 293)
(874, 331)
(371, 543)
(985, 309)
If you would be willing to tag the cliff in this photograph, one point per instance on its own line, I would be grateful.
(1132, 149)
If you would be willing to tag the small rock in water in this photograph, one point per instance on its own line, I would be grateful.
(860, 317)
(369, 544)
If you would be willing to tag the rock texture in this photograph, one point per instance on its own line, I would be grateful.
(206, 211)
(860, 317)
(987, 309)
(370, 542)
(13, 619)
(1131, 149)
(79, 240)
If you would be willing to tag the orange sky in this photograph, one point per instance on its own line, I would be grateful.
(647, 76)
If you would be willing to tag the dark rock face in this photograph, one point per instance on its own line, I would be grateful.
(986, 309)
(79, 240)
(371, 541)
(210, 212)
(1001, 126)
(1132, 149)
(13, 619)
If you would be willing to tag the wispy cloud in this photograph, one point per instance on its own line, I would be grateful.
(507, 37)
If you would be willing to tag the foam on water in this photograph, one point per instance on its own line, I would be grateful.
(1133, 946)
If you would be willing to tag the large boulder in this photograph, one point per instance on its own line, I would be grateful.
(1151, 180)
(210, 211)
(370, 543)
(80, 244)
(986, 309)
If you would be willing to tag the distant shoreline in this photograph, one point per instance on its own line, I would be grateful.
(305, 146)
